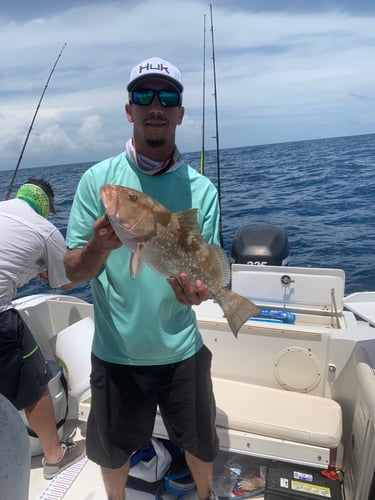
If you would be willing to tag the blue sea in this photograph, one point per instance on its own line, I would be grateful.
(321, 191)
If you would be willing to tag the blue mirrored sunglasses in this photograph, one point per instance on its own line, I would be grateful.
(167, 98)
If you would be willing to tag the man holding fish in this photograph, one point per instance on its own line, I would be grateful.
(147, 349)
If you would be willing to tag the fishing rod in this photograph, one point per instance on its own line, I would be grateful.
(217, 124)
(204, 94)
(31, 125)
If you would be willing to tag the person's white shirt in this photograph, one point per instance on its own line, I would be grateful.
(29, 245)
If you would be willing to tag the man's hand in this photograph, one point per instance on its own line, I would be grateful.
(83, 264)
(42, 276)
(186, 292)
(104, 236)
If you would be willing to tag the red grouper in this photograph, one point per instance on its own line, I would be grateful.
(172, 243)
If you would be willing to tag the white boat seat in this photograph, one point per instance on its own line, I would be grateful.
(278, 413)
(274, 423)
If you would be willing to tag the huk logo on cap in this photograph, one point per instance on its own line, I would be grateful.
(153, 67)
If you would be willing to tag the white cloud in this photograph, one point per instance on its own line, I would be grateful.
(91, 130)
(53, 137)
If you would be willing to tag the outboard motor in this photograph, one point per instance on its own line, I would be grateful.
(260, 245)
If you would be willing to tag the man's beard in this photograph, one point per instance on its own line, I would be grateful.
(155, 143)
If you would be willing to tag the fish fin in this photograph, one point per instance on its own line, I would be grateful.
(219, 260)
(237, 309)
(217, 255)
(188, 219)
(136, 260)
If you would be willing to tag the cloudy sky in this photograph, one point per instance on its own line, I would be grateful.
(286, 70)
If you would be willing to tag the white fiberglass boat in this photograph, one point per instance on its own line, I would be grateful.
(295, 392)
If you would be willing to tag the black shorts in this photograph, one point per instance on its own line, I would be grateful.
(24, 372)
(124, 401)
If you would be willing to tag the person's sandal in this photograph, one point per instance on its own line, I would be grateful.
(73, 452)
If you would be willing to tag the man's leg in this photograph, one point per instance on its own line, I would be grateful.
(189, 413)
(115, 481)
(202, 473)
(41, 417)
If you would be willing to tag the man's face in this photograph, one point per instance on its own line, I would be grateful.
(154, 124)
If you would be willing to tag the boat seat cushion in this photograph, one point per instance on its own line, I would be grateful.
(278, 413)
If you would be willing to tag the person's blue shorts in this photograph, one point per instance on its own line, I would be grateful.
(24, 372)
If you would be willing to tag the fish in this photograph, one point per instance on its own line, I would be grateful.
(171, 243)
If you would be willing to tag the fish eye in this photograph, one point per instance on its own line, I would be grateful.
(132, 196)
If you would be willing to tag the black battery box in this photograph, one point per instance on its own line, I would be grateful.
(284, 480)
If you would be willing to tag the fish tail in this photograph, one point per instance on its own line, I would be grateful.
(237, 309)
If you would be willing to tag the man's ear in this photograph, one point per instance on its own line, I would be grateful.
(180, 115)
(128, 111)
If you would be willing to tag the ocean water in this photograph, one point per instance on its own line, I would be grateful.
(321, 191)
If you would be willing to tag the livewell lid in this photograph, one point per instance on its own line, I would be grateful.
(299, 288)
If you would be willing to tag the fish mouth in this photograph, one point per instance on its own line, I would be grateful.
(109, 199)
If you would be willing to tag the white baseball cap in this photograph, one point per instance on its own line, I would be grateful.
(155, 67)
